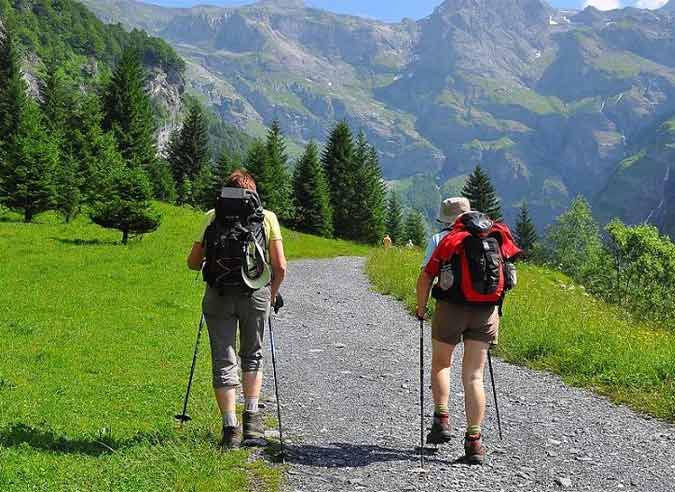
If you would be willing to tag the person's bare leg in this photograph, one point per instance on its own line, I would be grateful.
(252, 382)
(441, 362)
(473, 368)
(226, 398)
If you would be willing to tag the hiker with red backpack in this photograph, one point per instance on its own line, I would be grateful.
(470, 259)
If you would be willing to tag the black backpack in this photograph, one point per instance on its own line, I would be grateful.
(236, 235)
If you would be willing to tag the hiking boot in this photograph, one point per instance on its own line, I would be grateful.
(231, 437)
(254, 428)
(474, 450)
(440, 430)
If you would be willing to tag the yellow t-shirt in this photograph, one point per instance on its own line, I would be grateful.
(270, 223)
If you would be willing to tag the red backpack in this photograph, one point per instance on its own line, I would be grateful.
(473, 262)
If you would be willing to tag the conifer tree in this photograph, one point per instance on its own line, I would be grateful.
(277, 190)
(256, 164)
(526, 233)
(415, 230)
(161, 179)
(128, 112)
(312, 200)
(29, 166)
(13, 96)
(94, 150)
(224, 167)
(58, 109)
(369, 201)
(203, 188)
(189, 152)
(67, 183)
(482, 195)
(394, 226)
(56, 101)
(127, 204)
(338, 161)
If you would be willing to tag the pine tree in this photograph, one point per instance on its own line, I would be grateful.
(56, 101)
(29, 166)
(94, 150)
(394, 226)
(312, 200)
(415, 230)
(189, 152)
(67, 182)
(277, 190)
(526, 233)
(224, 167)
(13, 98)
(368, 204)
(127, 206)
(482, 195)
(203, 188)
(163, 184)
(256, 164)
(338, 161)
(58, 110)
(128, 113)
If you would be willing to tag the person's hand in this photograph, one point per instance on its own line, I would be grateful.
(277, 303)
(421, 313)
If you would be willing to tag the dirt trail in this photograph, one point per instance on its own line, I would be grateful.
(348, 364)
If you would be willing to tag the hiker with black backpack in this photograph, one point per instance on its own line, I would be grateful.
(241, 255)
(471, 261)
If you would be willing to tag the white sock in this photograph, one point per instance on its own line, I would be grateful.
(251, 405)
(230, 419)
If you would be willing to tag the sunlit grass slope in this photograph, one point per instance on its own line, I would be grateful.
(96, 341)
(552, 324)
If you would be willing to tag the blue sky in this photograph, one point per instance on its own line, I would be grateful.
(394, 10)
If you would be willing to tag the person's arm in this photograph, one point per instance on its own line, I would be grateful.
(424, 283)
(279, 267)
(196, 257)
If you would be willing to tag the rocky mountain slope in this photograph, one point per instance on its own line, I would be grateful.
(550, 102)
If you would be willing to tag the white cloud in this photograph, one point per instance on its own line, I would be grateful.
(605, 4)
(650, 4)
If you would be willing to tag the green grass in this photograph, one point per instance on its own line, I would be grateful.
(553, 325)
(96, 344)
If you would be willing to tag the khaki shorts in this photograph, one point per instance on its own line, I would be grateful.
(453, 323)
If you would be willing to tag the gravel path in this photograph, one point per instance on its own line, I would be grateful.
(348, 364)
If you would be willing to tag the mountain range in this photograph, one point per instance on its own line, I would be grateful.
(552, 103)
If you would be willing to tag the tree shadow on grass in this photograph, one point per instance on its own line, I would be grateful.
(46, 440)
(85, 242)
(342, 455)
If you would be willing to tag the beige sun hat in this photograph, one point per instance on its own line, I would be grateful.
(451, 208)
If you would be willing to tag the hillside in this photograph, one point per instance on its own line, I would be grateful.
(97, 345)
(548, 101)
(67, 35)
(641, 188)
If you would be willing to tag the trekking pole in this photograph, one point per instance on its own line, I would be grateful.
(277, 306)
(494, 391)
(184, 417)
(422, 394)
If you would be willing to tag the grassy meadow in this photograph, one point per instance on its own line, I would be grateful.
(96, 343)
(551, 324)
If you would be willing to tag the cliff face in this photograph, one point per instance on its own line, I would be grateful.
(549, 102)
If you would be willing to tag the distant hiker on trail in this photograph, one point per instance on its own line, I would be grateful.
(469, 257)
(239, 293)
(387, 242)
